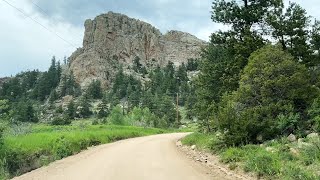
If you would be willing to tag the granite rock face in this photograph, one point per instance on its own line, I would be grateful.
(113, 39)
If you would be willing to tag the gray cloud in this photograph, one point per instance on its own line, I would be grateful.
(186, 15)
(26, 45)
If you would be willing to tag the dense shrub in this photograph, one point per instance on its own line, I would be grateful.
(61, 121)
(83, 108)
(1, 134)
(94, 90)
(314, 113)
(102, 110)
(116, 116)
(141, 117)
(274, 94)
(25, 112)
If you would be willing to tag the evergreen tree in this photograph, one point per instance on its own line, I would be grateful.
(116, 116)
(83, 108)
(5, 110)
(11, 90)
(94, 90)
(64, 60)
(192, 64)
(137, 66)
(69, 86)
(290, 28)
(170, 82)
(119, 86)
(182, 75)
(71, 110)
(274, 94)
(24, 112)
(103, 109)
(53, 96)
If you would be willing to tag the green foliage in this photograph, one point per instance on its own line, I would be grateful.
(94, 90)
(242, 39)
(102, 110)
(44, 144)
(59, 110)
(272, 87)
(287, 122)
(125, 86)
(265, 164)
(232, 155)
(19, 86)
(218, 76)
(24, 112)
(279, 162)
(48, 81)
(163, 107)
(138, 67)
(202, 141)
(311, 152)
(53, 96)
(116, 116)
(2, 128)
(62, 148)
(192, 64)
(141, 117)
(226, 57)
(4, 110)
(296, 172)
(291, 28)
(61, 121)
(70, 112)
(314, 113)
(69, 86)
(158, 95)
(83, 108)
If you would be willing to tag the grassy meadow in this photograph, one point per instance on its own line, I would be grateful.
(38, 145)
(276, 159)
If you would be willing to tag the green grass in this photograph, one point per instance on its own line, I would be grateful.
(45, 144)
(274, 160)
(201, 141)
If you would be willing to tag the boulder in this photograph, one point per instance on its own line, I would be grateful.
(294, 151)
(270, 149)
(312, 136)
(291, 138)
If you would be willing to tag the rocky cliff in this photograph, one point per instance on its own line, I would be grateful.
(114, 39)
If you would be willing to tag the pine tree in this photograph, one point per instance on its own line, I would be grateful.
(83, 108)
(71, 110)
(64, 60)
(53, 96)
(24, 112)
(102, 109)
(94, 90)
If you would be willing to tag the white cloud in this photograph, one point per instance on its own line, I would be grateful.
(26, 45)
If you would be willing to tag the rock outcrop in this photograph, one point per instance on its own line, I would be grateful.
(113, 39)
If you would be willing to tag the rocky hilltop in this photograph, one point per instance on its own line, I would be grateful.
(114, 39)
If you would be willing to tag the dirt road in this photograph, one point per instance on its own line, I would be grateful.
(145, 158)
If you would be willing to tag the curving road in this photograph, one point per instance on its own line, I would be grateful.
(145, 158)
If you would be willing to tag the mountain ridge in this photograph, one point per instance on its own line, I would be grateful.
(113, 39)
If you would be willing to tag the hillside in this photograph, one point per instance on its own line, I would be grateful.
(114, 39)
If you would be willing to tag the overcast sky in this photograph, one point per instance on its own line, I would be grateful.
(26, 45)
